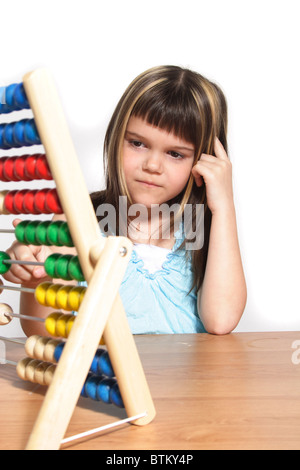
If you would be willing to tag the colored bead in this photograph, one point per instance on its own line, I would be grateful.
(74, 269)
(75, 298)
(64, 237)
(2, 175)
(42, 170)
(52, 202)
(104, 365)
(52, 232)
(30, 232)
(91, 387)
(30, 163)
(58, 351)
(61, 267)
(42, 233)
(115, 396)
(50, 264)
(3, 266)
(50, 322)
(94, 366)
(40, 292)
(61, 323)
(20, 231)
(18, 201)
(103, 390)
(62, 297)
(51, 296)
(31, 136)
(70, 324)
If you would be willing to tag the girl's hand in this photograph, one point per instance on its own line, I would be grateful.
(216, 173)
(27, 275)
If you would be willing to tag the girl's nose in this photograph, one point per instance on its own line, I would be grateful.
(152, 162)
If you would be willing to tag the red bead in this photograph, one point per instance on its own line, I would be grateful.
(8, 169)
(9, 202)
(30, 163)
(42, 168)
(2, 176)
(19, 169)
(18, 201)
(40, 201)
(52, 202)
(29, 205)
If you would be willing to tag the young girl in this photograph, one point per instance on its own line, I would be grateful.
(166, 148)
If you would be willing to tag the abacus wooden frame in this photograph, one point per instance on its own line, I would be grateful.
(103, 264)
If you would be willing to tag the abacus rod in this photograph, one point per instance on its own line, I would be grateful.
(7, 361)
(7, 230)
(25, 317)
(28, 263)
(12, 340)
(102, 428)
(20, 289)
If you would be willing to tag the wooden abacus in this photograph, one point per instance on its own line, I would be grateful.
(103, 260)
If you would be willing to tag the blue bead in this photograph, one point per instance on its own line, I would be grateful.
(20, 98)
(103, 389)
(8, 136)
(95, 364)
(58, 351)
(115, 396)
(105, 366)
(9, 96)
(91, 386)
(31, 136)
(19, 130)
(3, 145)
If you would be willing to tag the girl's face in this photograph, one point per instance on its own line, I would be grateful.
(156, 163)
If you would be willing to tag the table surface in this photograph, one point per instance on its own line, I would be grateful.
(239, 391)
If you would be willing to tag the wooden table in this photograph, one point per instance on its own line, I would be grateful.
(240, 391)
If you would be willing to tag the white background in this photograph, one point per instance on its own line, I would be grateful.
(251, 48)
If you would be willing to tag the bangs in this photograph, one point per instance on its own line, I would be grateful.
(172, 110)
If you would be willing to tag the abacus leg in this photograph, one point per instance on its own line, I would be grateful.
(64, 391)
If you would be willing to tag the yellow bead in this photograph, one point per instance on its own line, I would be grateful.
(40, 292)
(50, 322)
(75, 298)
(62, 297)
(70, 324)
(61, 326)
(51, 295)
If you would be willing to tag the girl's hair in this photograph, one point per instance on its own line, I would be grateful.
(180, 101)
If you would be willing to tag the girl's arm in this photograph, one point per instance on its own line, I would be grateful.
(223, 293)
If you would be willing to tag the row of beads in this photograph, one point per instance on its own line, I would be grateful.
(48, 233)
(22, 133)
(34, 201)
(57, 266)
(24, 168)
(97, 388)
(13, 98)
(50, 350)
(59, 296)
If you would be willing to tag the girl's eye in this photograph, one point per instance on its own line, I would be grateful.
(176, 154)
(136, 143)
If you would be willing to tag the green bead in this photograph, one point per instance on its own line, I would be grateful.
(64, 236)
(50, 264)
(3, 266)
(52, 232)
(75, 271)
(41, 233)
(20, 231)
(30, 232)
(61, 268)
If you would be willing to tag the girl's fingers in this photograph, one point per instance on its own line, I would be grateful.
(219, 150)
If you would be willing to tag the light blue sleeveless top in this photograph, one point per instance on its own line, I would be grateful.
(161, 302)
